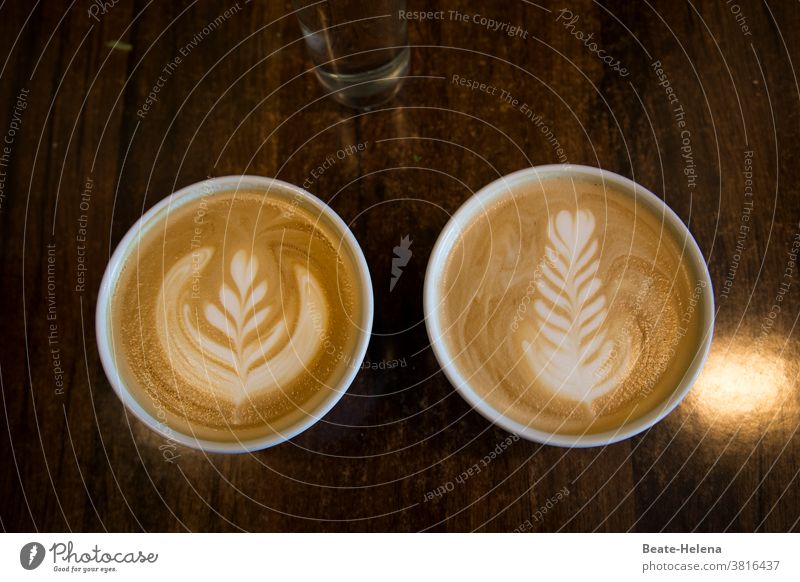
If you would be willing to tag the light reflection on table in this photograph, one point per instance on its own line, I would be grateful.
(746, 386)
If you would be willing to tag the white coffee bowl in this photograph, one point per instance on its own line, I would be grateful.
(152, 217)
(493, 193)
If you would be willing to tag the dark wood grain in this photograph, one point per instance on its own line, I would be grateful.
(245, 101)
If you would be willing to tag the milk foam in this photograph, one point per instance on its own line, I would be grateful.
(572, 355)
(563, 306)
(255, 349)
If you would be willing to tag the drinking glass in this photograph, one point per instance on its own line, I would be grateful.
(359, 47)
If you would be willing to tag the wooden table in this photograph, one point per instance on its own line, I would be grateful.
(700, 104)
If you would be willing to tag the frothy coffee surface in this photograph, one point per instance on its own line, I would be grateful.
(569, 307)
(235, 315)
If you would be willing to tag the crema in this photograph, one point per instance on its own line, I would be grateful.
(235, 314)
(568, 305)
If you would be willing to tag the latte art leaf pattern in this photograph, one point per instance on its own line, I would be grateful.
(572, 354)
(240, 314)
(249, 345)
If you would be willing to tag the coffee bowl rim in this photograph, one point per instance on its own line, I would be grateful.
(496, 190)
(185, 195)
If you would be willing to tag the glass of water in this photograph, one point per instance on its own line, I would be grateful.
(359, 47)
